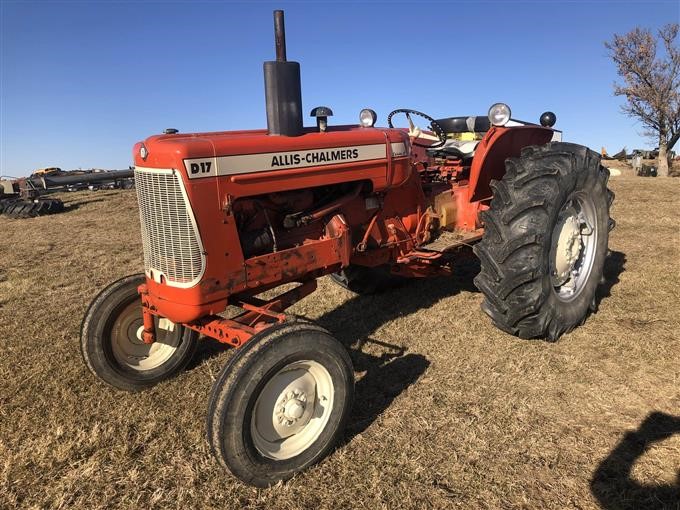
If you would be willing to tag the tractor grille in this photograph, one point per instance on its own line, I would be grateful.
(172, 244)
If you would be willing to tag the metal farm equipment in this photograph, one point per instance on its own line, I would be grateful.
(226, 216)
(24, 197)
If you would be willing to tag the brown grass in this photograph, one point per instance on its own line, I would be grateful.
(450, 412)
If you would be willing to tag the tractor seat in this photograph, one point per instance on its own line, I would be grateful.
(460, 145)
(473, 124)
(455, 148)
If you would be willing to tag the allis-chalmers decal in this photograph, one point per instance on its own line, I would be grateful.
(247, 163)
(314, 157)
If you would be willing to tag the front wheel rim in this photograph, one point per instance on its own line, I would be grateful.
(292, 410)
(130, 351)
(573, 246)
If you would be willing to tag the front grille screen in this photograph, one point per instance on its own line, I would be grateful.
(172, 244)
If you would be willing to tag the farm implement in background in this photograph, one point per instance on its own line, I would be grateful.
(27, 197)
(226, 216)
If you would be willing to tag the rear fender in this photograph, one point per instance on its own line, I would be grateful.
(499, 144)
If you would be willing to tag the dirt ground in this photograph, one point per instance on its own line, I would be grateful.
(450, 412)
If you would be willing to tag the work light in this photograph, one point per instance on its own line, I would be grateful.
(499, 114)
(367, 117)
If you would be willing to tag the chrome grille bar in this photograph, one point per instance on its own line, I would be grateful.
(173, 252)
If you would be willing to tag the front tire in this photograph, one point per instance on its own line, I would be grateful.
(111, 343)
(280, 404)
(545, 241)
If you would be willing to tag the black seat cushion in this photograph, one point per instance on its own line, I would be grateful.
(481, 124)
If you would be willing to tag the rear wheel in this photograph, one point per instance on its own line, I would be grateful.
(280, 404)
(20, 209)
(6, 204)
(50, 206)
(545, 241)
(111, 340)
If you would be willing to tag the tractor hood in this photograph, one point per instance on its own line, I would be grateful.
(204, 155)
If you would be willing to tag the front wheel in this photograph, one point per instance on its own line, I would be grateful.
(545, 241)
(111, 340)
(280, 404)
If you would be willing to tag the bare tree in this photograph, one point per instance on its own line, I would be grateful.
(651, 85)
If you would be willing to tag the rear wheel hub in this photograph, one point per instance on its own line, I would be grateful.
(573, 245)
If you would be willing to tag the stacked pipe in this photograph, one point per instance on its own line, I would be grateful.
(282, 87)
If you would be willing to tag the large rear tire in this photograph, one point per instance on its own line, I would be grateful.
(111, 340)
(281, 403)
(545, 241)
(6, 204)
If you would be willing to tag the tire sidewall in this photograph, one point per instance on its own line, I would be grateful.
(240, 383)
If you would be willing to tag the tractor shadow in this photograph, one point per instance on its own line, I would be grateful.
(386, 377)
(612, 483)
(361, 316)
(614, 265)
(388, 370)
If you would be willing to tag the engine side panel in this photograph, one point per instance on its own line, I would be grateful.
(223, 170)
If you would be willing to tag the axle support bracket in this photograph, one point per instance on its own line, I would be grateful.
(257, 316)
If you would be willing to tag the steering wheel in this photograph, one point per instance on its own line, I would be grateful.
(415, 132)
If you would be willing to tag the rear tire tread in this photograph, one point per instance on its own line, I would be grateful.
(513, 253)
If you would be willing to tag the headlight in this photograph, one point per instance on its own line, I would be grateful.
(367, 117)
(499, 114)
(143, 153)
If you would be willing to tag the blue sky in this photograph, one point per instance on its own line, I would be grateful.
(82, 81)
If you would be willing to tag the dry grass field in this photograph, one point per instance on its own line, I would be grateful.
(450, 412)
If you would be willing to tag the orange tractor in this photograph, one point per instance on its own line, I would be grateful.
(226, 216)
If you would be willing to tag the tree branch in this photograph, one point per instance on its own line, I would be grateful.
(650, 85)
(673, 140)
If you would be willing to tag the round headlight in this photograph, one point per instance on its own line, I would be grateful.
(367, 117)
(143, 153)
(499, 114)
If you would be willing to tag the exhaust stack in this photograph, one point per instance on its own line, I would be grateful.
(282, 87)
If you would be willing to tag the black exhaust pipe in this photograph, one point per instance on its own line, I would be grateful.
(282, 87)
